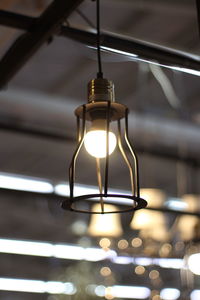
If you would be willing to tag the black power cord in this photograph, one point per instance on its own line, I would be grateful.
(198, 13)
(99, 73)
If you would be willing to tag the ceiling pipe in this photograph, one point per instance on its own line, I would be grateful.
(136, 50)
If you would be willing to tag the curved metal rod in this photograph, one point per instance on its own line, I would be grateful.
(136, 177)
(126, 158)
(107, 148)
(78, 136)
(73, 162)
(99, 180)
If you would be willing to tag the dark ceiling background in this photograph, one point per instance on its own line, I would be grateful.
(38, 129)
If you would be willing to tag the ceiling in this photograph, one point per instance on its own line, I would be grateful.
(38, 129)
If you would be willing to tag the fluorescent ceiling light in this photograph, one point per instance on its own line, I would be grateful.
(68, 288)
(170, 294)
(63, 190)
(171, 263)
(131, 292)
(37, 286)
(120, 291)
(143, 261)
(95, 254)
(54, 250)
(74, 252)
(26, 248)
(68, 252)
(122, 260)
(20, 183)
(194, 263)
(25, 183)
(195, 295)
(176, 204)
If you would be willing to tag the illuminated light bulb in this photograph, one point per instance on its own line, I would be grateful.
(95, 140)
(95, 143)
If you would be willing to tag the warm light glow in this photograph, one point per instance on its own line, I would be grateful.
(95, 143)
(186, 225)
(139, 270)
(136, 242)
(123, 244)
(154, 274)
(105, 225)
(194, 263)
(105, 271)
(152, 224)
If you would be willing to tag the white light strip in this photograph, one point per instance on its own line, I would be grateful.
(120, 52)
(188, 71)
(51, 250)
(20, 183)
(131, 292)
(73, 252)
(195, 295)
(26, 248)
(176, 204)
(122, 291)
(37, 286)
(133, 56)
(170, 294)
(68, 288)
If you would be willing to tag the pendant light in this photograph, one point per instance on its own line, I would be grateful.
(187, 224)
(152, 224)
(100, 142)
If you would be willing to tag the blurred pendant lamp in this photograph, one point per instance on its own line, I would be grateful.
(100, 141)
(152, 224)
(105, 225)
(187, 224)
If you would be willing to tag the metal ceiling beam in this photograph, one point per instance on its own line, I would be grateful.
(17, 21)
(27, 44)
(135, 49)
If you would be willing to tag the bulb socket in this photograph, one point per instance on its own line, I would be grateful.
(100, 90)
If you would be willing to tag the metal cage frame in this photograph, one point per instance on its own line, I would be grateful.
(114, 112)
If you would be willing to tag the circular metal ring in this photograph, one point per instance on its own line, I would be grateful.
(69, 204)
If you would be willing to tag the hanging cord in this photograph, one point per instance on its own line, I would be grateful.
(100, 73)
(198, 14)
